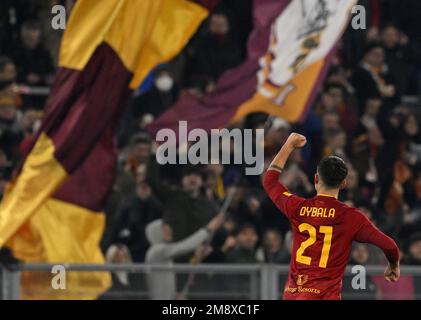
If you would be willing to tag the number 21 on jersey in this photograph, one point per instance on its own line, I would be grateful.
(327, 231)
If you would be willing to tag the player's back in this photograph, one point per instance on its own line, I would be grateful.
(323, 229)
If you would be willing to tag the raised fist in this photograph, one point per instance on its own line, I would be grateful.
(296, 140)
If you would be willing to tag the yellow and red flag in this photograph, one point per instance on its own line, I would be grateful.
(52, 210)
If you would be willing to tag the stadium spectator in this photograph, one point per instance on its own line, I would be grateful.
(340, 105)
(7, 76)
(245, 250)
(139, 152)
(185, 209)
(330, 120)
(359, 257)
(296, 180)
(136, 212)
(11, 132)
(367, 140)
(124, 284)
(273, 247)
(214, 183)
(164, 249)
(354, 191)
(123, 186)
(359, 254)
(396, 52)
(245, 207)
(335, 143)
(5, 172)
(413, 256)
(413, 198)
(34, 63)
(163, 94)
(30, 123)
(372, 77)
(276, 134)
(215, 52)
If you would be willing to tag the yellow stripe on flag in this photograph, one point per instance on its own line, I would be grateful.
(38, 228)
(85, 32)
(40, 176)
(144, 33)
(175, 25)
(58, 232)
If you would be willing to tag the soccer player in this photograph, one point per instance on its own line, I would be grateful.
(323, 228)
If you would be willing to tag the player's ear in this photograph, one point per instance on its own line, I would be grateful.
(343, 184)
(316, 178)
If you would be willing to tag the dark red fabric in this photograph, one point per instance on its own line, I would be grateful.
(82, 104)
(370, 234)
(81, 115)
(375, 13)
(91, 182)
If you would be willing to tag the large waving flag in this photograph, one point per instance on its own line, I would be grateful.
(52, 210)
(289, 52)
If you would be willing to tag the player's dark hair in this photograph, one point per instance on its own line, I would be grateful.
(332, 170)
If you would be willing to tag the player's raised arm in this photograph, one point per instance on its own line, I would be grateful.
(293, 142)
(369, 233)
(276, 191)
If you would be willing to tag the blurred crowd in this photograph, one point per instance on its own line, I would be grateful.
(366, 112)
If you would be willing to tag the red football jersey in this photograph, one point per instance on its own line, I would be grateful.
(323, 229)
